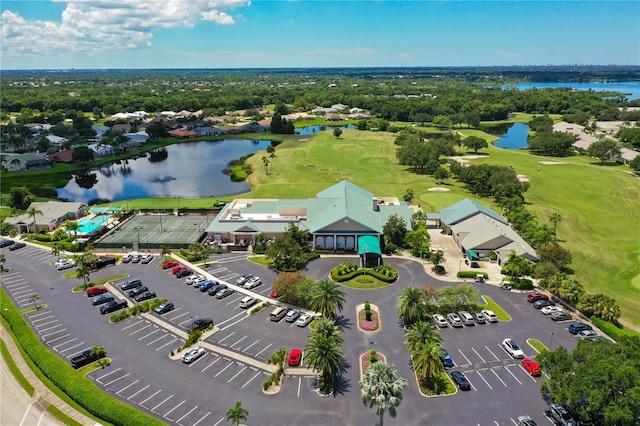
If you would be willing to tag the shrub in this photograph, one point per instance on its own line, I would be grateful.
(367, 314)
(367, 305)
(471, 274)
(522, 284)
(373, 356)
(612, 330)
(390, 248)
(267, 384)
(258, 308)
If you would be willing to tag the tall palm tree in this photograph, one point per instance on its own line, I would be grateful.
(83, 273)
(34, 298)
(324, 355)
(237, 414)
(166, 252)
(420, 333)
(55, 250)
(3, 260)
(327, 327)
(72, 226)
(426, 360)
(417, 237)
(411, 306)
(32, 212)
(98, 351)
(327, 298)
(381, 388)
(437, 259)
(555, 218)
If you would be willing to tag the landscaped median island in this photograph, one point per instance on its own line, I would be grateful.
(537, 345)
(368, 317)
(351, 275)
(497, 309)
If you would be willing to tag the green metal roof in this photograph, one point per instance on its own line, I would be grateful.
(369, 244)
(465, 209)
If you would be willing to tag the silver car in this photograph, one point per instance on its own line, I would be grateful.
(192, 355)
(454, 320)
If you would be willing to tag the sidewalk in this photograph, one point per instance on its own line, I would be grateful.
(42, 397)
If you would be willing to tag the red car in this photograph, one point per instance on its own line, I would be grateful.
(531, 366)
(95, 291)
(535, 296)
(273, 294)
(177, 269)
(295, 356)
(170, 264)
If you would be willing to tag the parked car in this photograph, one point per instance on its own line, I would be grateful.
(526, 421)
(560, 316)
(479, 317)
(66, 264)
(95, 291)
(114, 305)
(191, 279)
(127, 258)
(440, 321)
(136, 258)
(447, 361)
(304, 320)
(247, 301)
(454, 320)
(278, 313)
(170, 264)
(137, 290)
(252, 283)
(561, 415)
(192, 355)
(505, 286)
(578, 326)
(129, 284)
(512, 348)
(205, 286)
(535, 296)
(103, 298)
(547, 310)
(163, 308)
(104, 261)
(17, 245)
(146, 258)
(243, 279)
(543, 303)
(467, 318)
(5, 243)
(292, 315)
(145, 296)
(531, 366)
(202, 323)
(178, 268)
(490, 315)
(295, 356)
(587, 335)
(184, 273)
(224, 293)
(273, 294)
(216, 288)
(460, 380)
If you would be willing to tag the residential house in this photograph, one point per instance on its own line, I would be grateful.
(183, 134)
(208, 131)
(100, 150)
(54, 214)
(56, 140)
(26, 161)
(64, 156)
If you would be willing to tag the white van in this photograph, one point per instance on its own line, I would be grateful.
(277, 314)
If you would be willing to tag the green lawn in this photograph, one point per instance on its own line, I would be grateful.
(497, 309)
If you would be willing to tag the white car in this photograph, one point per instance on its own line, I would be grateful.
(65, 264)
(304, 320)
(195, 280)
(512, 349)
(192, 355)
(490, 315)
(547, 310)
(253, 282)
(292, 315)
(247, 301)
(243, 279)
(440, 321)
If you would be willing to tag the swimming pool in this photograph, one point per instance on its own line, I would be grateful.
(89, 224)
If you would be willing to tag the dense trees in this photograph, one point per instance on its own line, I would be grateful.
(323, 353)
(551, 143)
(289, 251)
(606, 149)
(20, 197)
(395, 230)
(475, 143)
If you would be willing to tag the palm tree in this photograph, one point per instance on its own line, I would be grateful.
(327, 327)
(382, 388)
(417, 237)
(34, 298)
(98, 351)
(426, 360)
(437, 259)
(166, 252)
(237, 414)
(3, 260)
(323, 354)
(419, 334)
(411, 305)
(32, 212)
(327, 298)
(83, 273)
(555, 218)
(72, 225)
(55, 250)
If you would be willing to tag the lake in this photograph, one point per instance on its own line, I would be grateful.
(310, 130)
(515, 138)
(630, 88)
(192, 169)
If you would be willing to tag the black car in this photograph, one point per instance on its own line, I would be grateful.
(103, 298)
(216, 288)
(144, 296)
(163, 308)
(560, 316)
(136, 291)
(578, 326)
(129, 284)
(114, 305)
(542, 303)
(202, 323)
(184, 273)
(17, 245)
(460, 380)
(5, 243)
(104, 261)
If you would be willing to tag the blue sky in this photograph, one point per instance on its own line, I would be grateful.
(61, 34)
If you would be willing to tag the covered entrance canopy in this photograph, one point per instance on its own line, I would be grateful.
(369, 250)
(472, 255)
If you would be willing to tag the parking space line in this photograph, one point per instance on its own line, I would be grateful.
(37, 326)
(72, 347)
(251, 379)
(172, 410)
(197, 360)
(55, 348)
(29, 290)
(131, 325)
(491, 352)
(217, 359)
(144, 388)
(299, 384)
(181, 418)
(138, 331)
(485, 380)
(34, 320)
(237, 374)
(514, 422)
(473, 349)
(231, 319)
(159, 338)
(498, 377)
(527, 373)
(126, 387)
(220, 372)
(203, 417)
(150, 334)
(167, 344)
(465, 357)
(52, 327)
(188, 320)
(168, 398)
(268, 346)
(236, 300)
(219, 421)
(39, 315)
(159, 390)
(238, 342)
(178, 316)
(474, 388)
(247, 348)
(55, 332)
(109, 373)
(226, 337)
(507, 368)
(57, 338)
(15, 284)
(115, 380)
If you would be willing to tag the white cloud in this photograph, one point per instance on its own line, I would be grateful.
(93, 26)
(404, 56)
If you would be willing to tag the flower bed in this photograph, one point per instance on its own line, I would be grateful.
(372, 325)
(365, 361)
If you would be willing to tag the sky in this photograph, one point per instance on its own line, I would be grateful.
(106, 34)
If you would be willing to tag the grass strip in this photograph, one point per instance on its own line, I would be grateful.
(370, 282)
(497, 309)
(443, 379)
(13, 367)
(60, 415)
(26, 311)
(101, 281)
(260, 260)
(537, 345)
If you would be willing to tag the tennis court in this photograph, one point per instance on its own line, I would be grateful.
(151, 232)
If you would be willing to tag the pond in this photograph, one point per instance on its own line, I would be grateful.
(630, 88)
(191, 169)
(310, 130)
(514, 138)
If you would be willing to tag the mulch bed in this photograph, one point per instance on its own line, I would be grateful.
(372, 325)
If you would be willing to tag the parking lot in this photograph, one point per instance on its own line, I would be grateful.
(143, 375)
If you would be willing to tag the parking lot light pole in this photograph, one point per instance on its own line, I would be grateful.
(551, 341)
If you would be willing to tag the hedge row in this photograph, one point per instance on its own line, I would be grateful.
(381, 276)
(610, 329)
(68, 380)
(472, 274)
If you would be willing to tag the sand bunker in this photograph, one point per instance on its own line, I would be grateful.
(551, 163)
(438, 189)
(523, 178)
(465, 159)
